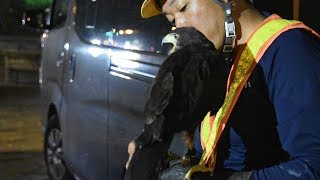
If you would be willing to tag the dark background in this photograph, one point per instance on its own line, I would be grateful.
(309, 12)
(11, 13)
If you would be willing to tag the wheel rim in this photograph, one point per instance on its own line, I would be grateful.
(54, 153)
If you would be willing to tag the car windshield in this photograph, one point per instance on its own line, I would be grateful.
(118, 23)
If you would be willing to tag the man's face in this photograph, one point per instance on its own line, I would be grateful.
(204, 15)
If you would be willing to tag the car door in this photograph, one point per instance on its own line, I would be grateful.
(133, 66)
(85, 97)
(129, 84)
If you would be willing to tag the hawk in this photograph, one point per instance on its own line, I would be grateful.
(191, 82)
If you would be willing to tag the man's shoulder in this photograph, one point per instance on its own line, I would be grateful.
(296, 38)
(295, 50)
(293, 44)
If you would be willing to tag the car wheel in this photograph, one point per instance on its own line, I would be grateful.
(53, 152)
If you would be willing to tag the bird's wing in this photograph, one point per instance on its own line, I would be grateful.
(163, 85)
(160, 94)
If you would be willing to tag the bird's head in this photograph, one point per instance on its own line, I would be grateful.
(183, 37)
(170, 41)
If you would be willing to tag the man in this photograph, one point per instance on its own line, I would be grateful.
(272, 130)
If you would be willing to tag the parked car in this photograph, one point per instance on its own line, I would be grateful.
(99, 58)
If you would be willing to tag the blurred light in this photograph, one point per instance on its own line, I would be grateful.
(74, 9)
(66, 46)
(136, 41)
(95, 52)
(121, 32)
(127, 45)
(105, 42)
(113, 30)
(109, 34)
(125, 63)
(41, 25)
(28, 19)
(40, 75)
(128, 31)
(89, 27)
(23, 18)
(173, 28)
(95, 41)
(125, 55)
(44, 35)
(110, 41)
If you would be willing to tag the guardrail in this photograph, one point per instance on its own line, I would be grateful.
(20, 43)
(20, 67)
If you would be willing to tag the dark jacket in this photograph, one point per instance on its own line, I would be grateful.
(274, 128)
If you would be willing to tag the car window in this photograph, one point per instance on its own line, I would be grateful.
(118, 23)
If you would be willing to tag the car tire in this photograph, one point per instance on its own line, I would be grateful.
(53, 151)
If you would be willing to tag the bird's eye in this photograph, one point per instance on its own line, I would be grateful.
(176, 36)
(183, 9)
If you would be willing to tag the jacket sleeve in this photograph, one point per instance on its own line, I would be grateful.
(293, 76)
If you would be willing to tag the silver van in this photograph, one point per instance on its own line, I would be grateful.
(99, 58)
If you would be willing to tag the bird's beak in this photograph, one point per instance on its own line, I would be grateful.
(169, 38)
(169, 42)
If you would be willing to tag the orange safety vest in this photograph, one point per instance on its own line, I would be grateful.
(245, 62)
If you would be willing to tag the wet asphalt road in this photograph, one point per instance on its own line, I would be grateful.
(21, 156)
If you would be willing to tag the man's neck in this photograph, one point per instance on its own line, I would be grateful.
(247, 21)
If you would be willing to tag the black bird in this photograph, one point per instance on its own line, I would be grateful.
(191, 82)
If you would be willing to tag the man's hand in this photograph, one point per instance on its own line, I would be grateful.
(145, 163)
(146, 158)
(131, 150)
(142, 139)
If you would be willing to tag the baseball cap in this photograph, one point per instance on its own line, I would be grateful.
(151, 8)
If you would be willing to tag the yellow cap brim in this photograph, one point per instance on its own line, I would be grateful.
(149, 9)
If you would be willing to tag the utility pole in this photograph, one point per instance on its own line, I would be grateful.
(296, 5)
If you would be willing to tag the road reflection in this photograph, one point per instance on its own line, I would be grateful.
(26, 165)
(21, 138)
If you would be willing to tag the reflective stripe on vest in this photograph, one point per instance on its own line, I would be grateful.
(245, 62)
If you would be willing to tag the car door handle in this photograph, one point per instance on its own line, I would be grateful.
(72, 68)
